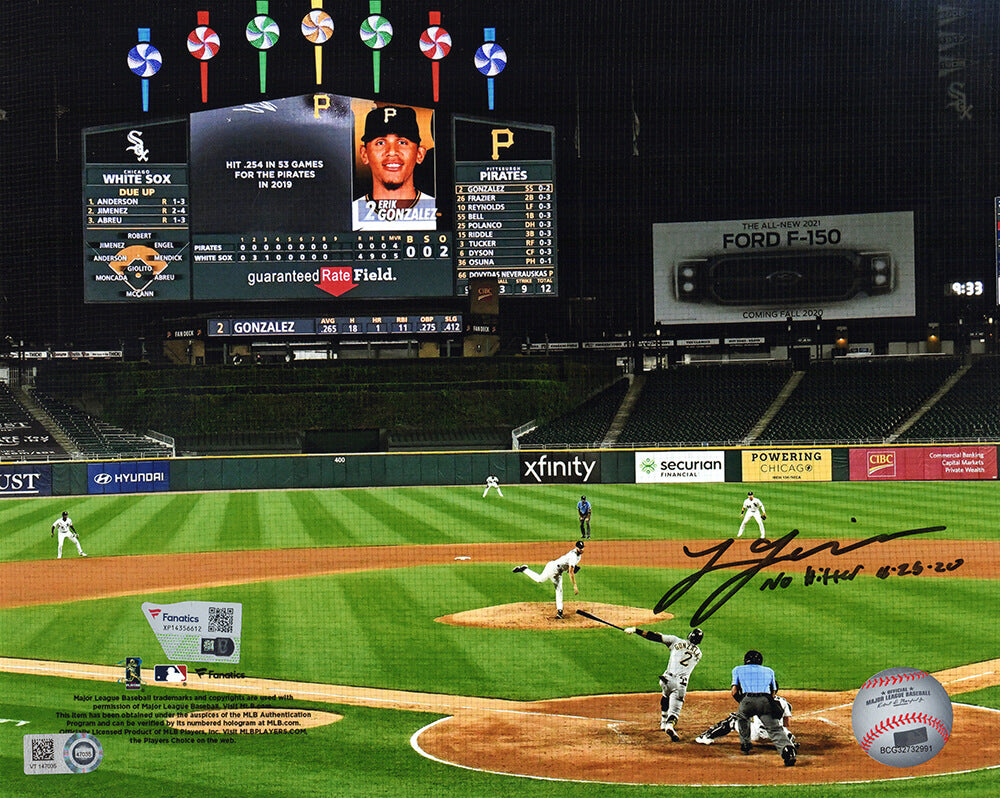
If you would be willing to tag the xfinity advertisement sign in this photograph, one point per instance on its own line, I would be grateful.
(561, 467)
(128, 476)
(26, 480)
(679, 466)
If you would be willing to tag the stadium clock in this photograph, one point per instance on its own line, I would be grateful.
(964, 288)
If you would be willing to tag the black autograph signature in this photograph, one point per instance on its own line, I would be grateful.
(772, 553)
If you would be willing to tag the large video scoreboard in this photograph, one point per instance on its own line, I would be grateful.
(317, 197)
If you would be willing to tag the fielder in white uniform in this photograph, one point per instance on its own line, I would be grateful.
(492, 482)
(684, 655)
(66, 530)
(554, 570)
(758, 734)
(752, 508)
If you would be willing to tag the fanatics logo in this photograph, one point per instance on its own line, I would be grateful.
(155, 613)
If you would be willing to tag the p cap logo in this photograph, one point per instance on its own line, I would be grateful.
(321, 102)
(503, 138)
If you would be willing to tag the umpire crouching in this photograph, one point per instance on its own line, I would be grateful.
(754, 686)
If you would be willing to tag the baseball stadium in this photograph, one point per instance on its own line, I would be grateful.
(510, 399)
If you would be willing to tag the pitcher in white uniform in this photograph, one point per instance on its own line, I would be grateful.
(554, 570)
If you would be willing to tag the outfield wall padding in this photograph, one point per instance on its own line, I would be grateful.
(583, 466)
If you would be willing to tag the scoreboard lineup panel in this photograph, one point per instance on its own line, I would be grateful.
(168, 216)
(505, 206)
(136, 231)
(507, 231)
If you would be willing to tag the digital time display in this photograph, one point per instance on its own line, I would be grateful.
(965, 288)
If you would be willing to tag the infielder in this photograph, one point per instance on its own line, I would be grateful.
(684, 655)
(66, 530)
(752, 508)
(492, 482)
(583, 509)
(554, 570)
(755, 687)
(758, 734)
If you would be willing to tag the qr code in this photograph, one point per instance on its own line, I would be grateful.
(220, 619)
(43, 750)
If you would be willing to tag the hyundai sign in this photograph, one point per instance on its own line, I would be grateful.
(128, 476)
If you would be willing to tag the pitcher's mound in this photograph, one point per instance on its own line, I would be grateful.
(542, 615)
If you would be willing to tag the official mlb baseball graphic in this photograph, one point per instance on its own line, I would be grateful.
(902, 717)
(197, 631)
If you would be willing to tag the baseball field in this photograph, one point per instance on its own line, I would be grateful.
(386, 625)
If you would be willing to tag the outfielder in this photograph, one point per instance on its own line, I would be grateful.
(66, 530)
(492, 482)
(684, 655)
(752, 508)
(583, 509)
(554, 570)
(758, 734)
(755, 687)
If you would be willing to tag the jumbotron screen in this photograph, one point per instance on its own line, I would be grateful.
(317, 196)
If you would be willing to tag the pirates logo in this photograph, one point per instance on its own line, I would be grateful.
(138, 266)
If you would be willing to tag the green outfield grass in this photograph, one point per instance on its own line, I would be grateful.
(220, 521)
(377, 628)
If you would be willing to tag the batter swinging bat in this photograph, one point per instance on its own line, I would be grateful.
(586, 614)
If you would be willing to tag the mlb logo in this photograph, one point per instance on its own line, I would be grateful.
(170, 673)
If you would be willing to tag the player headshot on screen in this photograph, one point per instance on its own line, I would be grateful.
(391, 149)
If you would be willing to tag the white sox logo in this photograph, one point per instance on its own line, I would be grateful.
(138, 145)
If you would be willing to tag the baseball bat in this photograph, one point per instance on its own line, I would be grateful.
(586, 614)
